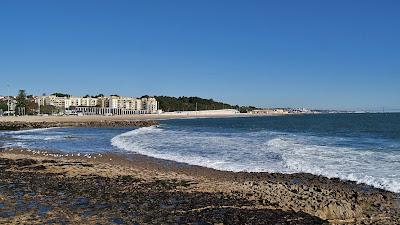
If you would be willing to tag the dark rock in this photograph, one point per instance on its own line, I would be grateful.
(18, 125)
(25, 162)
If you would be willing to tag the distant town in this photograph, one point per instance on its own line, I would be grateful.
(66, 104)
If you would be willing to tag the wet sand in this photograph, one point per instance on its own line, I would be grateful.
(42, 187)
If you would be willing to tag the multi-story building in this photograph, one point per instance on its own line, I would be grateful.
(88, 101)
(60, 102)
(40, 100)
(103, 102)
(118, 102)
(150, 104)
(75, 101)
(11, 105)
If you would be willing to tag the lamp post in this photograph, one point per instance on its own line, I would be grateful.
(8, 99)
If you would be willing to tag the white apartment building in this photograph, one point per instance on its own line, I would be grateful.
(66, 102)
(150, 104)
(130, 103)
(75, 101)
(103, 102)
(60, 102)
(89, 102)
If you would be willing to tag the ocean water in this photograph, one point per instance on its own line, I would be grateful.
(358, 147)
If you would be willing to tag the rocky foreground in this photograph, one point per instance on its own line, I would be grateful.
(39, 187)
(21, 125)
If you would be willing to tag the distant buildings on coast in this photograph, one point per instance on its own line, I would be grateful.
(87, 105)
(216, 112)
(280, 111)
(64, 104)
(294, 111)
(101, 105)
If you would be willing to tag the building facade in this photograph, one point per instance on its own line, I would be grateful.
(11, 104)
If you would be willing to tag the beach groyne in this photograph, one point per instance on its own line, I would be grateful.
(23, 125)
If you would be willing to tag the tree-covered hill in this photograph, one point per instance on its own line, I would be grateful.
(169, 104)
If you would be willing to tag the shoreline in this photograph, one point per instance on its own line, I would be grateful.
(143, 120)
(140, 117)
(87, 118)
(320, 199)
(139, 120)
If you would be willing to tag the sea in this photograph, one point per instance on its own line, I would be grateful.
(359, 147)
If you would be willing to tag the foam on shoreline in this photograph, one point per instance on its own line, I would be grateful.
(281, 152)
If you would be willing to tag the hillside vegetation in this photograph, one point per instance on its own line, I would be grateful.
(169, 104)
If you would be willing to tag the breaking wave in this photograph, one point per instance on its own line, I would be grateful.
(267, 151)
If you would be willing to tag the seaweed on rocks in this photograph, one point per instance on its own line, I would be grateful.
(35, 197)
(37, 189)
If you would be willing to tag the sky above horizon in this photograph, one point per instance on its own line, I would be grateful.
(315, 54)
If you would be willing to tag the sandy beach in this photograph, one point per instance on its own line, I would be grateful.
(43, 187)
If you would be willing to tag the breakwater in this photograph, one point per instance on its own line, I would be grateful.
(19, 125)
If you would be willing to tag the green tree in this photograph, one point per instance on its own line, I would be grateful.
(31, 106)
(3, 106)
(57, 94)
(98, 96)
(21, 102)
(49, 109)
(21, 98)
(168, 103)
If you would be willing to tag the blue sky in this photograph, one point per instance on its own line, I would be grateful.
(321, 54)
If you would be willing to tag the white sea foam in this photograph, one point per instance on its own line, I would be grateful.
(363, 166)
(265, 151)
(37, 130)
(39, 137)
(45, 134)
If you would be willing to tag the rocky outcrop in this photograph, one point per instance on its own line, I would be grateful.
(17, 125)
(182, 194)
(63, 192)
(329, 199)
